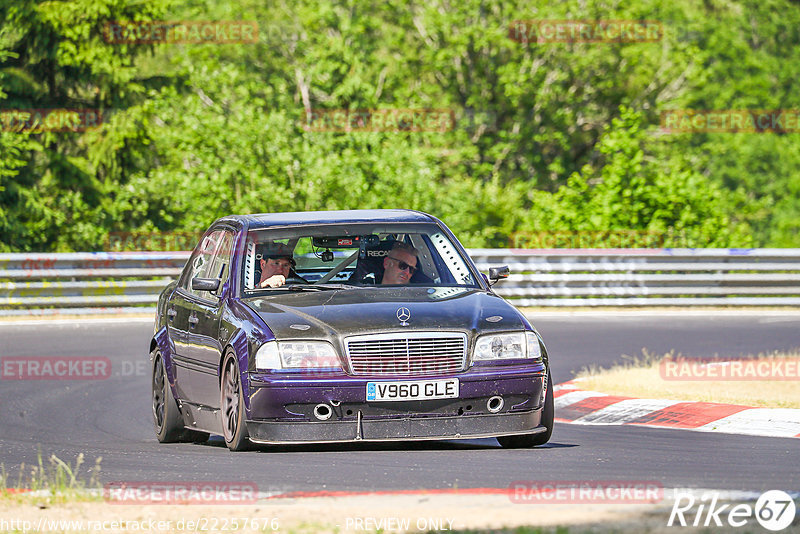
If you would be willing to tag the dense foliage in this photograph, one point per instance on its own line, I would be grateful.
(545, 138)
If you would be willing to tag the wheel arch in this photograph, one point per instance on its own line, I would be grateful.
(240, 346)
(160, 341)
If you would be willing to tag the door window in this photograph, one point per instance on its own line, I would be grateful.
(211, 260)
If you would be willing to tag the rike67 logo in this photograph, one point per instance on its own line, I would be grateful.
(774, 510)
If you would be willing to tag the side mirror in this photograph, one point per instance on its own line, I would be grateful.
(498, 273)
(205, 284)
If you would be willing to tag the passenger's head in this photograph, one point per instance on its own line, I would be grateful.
(400, 264)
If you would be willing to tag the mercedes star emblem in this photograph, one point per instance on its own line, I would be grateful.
(403, 315)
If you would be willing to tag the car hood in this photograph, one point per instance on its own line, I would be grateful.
(333, 314)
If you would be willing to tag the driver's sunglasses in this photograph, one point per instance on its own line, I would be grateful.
(403, 266)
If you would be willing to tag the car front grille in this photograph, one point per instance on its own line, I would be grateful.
(420, 353)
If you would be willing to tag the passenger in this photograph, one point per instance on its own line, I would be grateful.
(400, 264)
(276, 264)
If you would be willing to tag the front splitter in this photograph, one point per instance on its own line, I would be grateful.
(396, 429)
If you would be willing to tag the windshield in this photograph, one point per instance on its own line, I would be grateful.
(340, 256)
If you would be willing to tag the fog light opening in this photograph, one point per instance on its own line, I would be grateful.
(322, 412)
(495, 404)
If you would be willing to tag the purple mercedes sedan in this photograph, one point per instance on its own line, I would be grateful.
(342, 326)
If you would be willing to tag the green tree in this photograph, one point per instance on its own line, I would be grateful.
(638, 186)
(547, 136)
(57, 58)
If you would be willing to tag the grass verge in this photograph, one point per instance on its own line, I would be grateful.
(651, 377)
(51, 482)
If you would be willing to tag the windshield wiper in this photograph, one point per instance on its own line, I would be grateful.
(299, 287)
(333, 286)
(314, 287)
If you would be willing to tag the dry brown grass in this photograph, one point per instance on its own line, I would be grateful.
(644, 377)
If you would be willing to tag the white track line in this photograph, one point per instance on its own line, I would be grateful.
(576, 396)
(777, 422)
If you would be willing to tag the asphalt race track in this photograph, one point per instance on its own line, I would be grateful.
(111, 418)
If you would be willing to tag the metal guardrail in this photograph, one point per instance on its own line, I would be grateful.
(647, 277)
(131, 281)
(85, 282)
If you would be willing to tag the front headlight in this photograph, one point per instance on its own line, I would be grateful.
(296, 355)
(509, 346)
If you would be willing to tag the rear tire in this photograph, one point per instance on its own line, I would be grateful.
(533, 440)
(234, 428)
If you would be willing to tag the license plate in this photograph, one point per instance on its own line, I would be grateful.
(413, 390)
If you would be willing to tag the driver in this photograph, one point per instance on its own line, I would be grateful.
(276, 264)
(400, 264)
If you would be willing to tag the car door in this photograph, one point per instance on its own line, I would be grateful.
(205, 312)
(195, 374)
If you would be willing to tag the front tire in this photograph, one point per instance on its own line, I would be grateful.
(533, 440)
(234, 428)
(166, 416)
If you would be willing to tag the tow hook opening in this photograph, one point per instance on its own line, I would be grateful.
(322, 412)
(495, 404)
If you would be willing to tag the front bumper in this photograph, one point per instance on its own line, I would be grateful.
(281, 409)
(397, 429)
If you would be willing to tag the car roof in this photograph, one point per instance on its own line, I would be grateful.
(264, 220)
